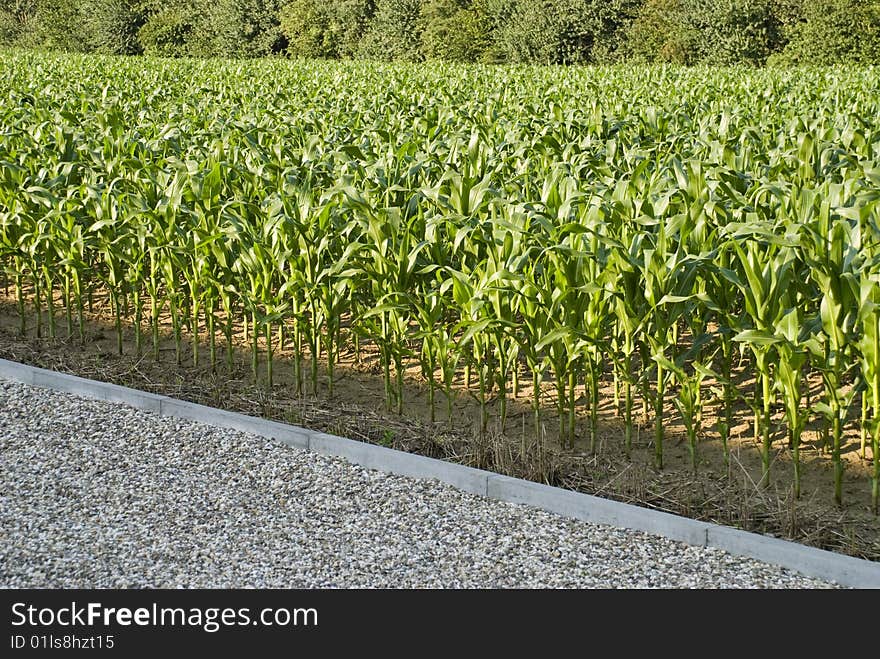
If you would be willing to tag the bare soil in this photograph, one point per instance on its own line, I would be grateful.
(716, 492)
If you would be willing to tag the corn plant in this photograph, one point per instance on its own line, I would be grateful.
(673, 231)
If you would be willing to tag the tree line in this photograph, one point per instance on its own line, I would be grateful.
(724, 32)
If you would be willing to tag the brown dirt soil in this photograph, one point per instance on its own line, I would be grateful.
(725, 494)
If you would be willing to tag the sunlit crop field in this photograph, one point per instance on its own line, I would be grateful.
(697, 238)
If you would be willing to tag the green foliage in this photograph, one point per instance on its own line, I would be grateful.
(313, 28)
(111, 26)
(663, 32)
(216, 28)
(209, 28)
(735, 31)
(715, 32)
(108, 26)
(394, 33)
(454, 30)
(662, 226)
(610, 22)
(168, 30)
(719, 32)
(757, 31)
(788, 15)
(833, 32)
(307, 26)
(258, 30)
(350, 20)
(16, 17)
(563, 31)
(50, 24)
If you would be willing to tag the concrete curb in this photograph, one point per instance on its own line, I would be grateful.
(598, 510)
(830, 566)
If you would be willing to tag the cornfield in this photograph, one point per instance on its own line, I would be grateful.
(695, 237)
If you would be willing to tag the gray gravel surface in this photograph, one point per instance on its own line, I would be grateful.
(96, 494)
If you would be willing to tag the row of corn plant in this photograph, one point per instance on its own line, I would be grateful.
(698, 241)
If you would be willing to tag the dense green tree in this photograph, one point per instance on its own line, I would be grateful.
(168, 28)
(735, 31)
(308, 27)
(662, 31)
(723, 32)
(50, 24)
(258, 30)
(394, 33)
(788, 14)
(349, 21)
(564, 31)
(455, 30)
(833, 32)
(207, 28)
(111, 26)
(314, 28)
(713, 31)
(108, 26)
(611, 21)
(16, 17)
